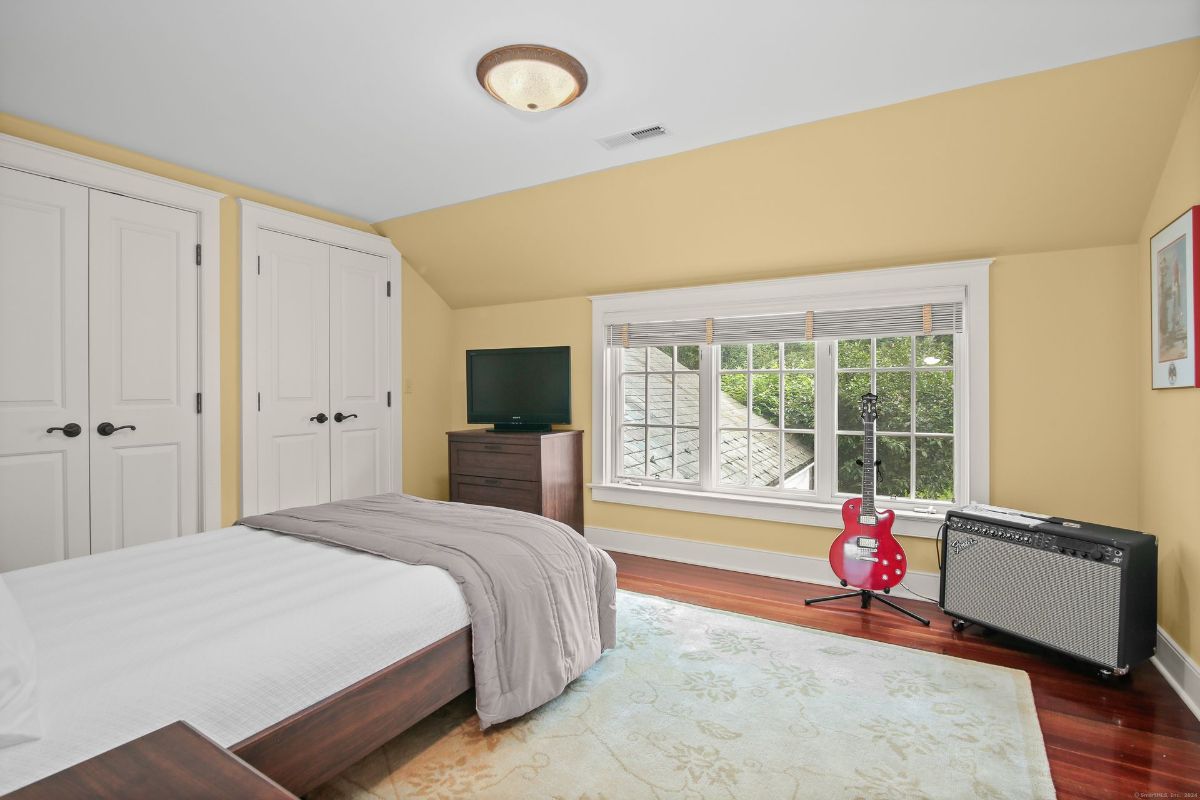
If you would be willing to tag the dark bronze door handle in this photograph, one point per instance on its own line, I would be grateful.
(321, 418)
(70, 430)
(108, 429)
(340, 417)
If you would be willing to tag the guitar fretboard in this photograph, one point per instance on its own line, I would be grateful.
(868, 468)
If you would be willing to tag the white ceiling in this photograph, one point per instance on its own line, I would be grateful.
(371, 108)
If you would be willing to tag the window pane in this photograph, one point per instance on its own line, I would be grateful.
(849, 474)
(851, 387)
(633, 359)
(766, 400)
(733, 457)
(935, 468)
(658, 453)
(935, 401)
(661, 359)
(893, 352)
(895, 400)
(687, 454)
(766, 356)
(635, 398)
(733, 400)
(799, 401)
(895, 453)
(854, 353)
(799, 355)
(659, 401)
(633, 447)
(935, 351)
(798, 449)
(687, 399)
(734, 356)
(687, 356)
(764, 458)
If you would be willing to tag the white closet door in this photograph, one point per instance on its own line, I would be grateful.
(358, 374)
(43, 370)
(293, 372)
(144, 372)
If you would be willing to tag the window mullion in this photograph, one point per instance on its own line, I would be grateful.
(708, 416)
(825, 438)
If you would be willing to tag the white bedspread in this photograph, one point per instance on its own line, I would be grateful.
(231, 630)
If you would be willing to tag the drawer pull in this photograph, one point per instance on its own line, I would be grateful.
(491, 447)
(492, 482)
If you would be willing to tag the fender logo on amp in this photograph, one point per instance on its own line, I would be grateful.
(960, 546)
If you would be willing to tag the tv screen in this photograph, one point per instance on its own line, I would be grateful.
(519, 387)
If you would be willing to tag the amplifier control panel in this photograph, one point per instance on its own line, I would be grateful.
(1078, 548)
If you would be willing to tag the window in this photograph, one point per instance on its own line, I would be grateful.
(913, 376)
(660, 428)
(744, 399)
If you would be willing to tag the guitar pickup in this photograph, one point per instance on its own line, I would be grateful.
(868, 542)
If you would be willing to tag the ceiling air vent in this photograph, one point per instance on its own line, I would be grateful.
(629, 137)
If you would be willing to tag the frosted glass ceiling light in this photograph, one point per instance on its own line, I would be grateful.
(530, 77)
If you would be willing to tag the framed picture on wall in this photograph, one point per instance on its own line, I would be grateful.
(1174, 300)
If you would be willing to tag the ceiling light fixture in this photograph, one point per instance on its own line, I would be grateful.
(530, 77)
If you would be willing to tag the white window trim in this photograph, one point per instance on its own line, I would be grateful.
(63, 165)
(965, 281)
(256, 217)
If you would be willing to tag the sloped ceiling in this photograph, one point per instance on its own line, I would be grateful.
(370, 108)
(1060, 159)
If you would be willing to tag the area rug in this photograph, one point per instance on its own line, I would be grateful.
(695, 703)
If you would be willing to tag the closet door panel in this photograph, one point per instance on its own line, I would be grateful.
(293, 372)
(43, 370)
(144, 371)
(358, 372)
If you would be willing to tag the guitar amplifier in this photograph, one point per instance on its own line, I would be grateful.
(1086, 590)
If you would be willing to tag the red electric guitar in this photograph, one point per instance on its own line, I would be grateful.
(866, 555)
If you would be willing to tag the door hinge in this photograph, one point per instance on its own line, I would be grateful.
(198, 404)
(197, 255)
(389, 288)
(259, 266)
(260, 401)
(389, 399)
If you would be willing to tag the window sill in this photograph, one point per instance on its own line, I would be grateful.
(908, 523)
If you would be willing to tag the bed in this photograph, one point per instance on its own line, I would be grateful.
(299, 657)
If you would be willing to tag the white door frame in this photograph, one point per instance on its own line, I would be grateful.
(256, 217)
(51, 162)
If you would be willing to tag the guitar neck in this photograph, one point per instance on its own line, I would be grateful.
(868, 468)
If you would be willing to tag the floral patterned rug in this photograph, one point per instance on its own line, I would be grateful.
(695, 703)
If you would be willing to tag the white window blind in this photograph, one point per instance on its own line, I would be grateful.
(857, 323)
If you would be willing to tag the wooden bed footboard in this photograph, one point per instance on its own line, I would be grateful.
(314, 745)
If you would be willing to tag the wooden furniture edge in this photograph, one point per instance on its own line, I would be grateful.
(317, 743)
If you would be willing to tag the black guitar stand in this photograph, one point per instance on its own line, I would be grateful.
(867, 596)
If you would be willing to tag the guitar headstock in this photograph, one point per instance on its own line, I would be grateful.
(868, 407)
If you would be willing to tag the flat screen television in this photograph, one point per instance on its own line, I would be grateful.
(519, 388)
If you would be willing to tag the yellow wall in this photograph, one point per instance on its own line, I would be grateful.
(1170, 418)
(429, 358)
(1066, 348)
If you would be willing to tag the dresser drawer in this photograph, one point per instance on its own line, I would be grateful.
(495, 460)
(481, 491)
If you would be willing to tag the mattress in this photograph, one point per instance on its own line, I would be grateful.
(230, 630)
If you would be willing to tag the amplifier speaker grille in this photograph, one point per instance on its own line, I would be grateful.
(1062, 601)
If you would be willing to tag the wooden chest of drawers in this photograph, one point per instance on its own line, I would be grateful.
(541, 473)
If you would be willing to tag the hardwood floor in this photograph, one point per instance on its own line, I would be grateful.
(1105, 740)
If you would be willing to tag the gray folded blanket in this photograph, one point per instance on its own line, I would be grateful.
(542, 600)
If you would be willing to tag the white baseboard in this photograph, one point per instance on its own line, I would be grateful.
(742, 559)
(1176, 666)
(1179, 669)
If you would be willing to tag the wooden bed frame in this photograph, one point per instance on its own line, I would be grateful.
(316, 744)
